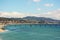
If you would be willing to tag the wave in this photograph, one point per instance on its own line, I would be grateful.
(4, 31)
(57, 37)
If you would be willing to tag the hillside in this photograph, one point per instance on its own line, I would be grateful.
(30, 19)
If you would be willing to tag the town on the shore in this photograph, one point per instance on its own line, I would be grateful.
(28, 20)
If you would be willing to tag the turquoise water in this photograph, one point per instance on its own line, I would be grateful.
(31, 32)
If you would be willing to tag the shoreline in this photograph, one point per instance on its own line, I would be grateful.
(2, 25)
(26, 23)
(1, 30)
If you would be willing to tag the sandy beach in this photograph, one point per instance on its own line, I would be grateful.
(2, 27)
(1, 30)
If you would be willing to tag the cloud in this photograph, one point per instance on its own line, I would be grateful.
(36, 0)
(38, 9)
(48, 5)
(58, 9)
(11, 14)
(16, 14)
(52, 14)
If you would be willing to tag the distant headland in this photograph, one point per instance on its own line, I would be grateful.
(29, 20)
(26, 20)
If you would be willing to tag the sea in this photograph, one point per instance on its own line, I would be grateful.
(31, 32)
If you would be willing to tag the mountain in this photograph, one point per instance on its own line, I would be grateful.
(31, 19)
(39, 18)
(42, 19)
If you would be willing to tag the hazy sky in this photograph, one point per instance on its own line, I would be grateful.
(30, 7)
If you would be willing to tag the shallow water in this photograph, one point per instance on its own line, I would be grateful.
(31, 32)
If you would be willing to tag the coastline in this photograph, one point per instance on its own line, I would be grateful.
(28, 23)
(2, 25)
(1, 30)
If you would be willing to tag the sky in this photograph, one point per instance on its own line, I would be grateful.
(22, 8)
